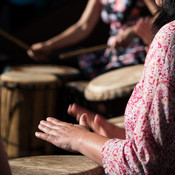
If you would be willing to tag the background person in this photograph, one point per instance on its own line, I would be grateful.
(121, 16)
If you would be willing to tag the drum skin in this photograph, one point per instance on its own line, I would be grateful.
(55, 165)
(26, 99)
(109, 93)
(114, 84)
(64, 73)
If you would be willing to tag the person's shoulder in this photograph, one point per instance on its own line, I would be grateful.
(168, 29)
(169, 26)
(166, 34)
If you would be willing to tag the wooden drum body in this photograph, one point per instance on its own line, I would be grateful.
(55, 165)
(64, 73)
(108, 93)
(76, 89)
(25, 100)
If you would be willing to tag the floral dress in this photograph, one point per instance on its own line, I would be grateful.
(119, 14)
(149, 147)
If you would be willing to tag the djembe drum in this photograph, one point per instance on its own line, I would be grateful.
(76, 89)
(63, 73)
(55, 165)
(108, 93)
(26, 99)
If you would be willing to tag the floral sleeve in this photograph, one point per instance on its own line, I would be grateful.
(149, 147)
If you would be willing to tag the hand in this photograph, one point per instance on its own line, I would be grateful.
(122, 39)
(96, 122)
(73, 137)
(62, 134)
(39, 51)
(143, 29)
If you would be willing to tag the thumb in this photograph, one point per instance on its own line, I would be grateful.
(83, 120)
(97, 121)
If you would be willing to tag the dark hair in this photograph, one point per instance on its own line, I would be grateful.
(166, 13)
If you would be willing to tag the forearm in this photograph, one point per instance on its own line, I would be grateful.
(91, 146)
(71, 36)
(151, 6)
(80, 30)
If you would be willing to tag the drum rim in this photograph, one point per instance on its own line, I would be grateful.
(94, 166)
(23, 80)
(73, 71)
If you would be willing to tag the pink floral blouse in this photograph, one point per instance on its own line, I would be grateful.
(149, 147)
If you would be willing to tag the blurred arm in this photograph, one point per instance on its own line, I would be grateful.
(80, 30)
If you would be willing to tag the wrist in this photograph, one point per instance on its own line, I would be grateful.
(133, 30)
(91, 146)
(78, 143)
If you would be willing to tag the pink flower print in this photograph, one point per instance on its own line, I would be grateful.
(120, 5)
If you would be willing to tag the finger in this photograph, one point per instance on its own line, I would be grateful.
(80, 110)
(36, 46)
(48, 124)
(46, 137)
(48, 130)
(69, 110)
(57, 124)
(97, 121)
(76, 111)
(96, 125)
(72, 110)
(53, 120)
(30, 53)
(83, 120)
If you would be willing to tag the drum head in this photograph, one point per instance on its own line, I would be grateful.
(55, 165)
(78, 85)
(25, 79)
(49, 69)
(113, 84)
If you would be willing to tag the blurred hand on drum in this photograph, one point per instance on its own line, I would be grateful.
(96, 122)
(39, 51)
(122, 39)
(143, 29)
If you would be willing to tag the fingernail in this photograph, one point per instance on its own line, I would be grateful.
(41, 122)
(49, 118)
(69, 107)
(36, 134)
